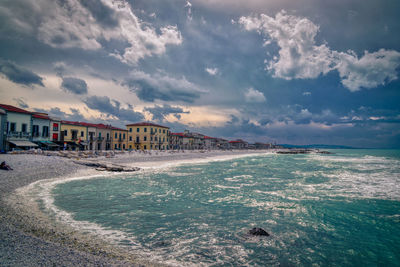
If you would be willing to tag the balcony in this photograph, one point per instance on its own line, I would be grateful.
(18, 134)
(100, 139)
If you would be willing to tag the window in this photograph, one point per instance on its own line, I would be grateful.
(120, 135)
(151, 146)
(145, 147)
(35, 130)
(45, 131)
(99, 134)
(119, 146)
(145, 130)
(145, 138)
(65, 132)
(159, 130)
(151, 138)
(115, 146)
(155, 138)
(55, 126)
(123, 136)
(123, 146)
(163, 139)
(163, 131)
(137, 139)
(138, 129)
(23, 129)
(108, 136)
(130, 130)
(12, 127)
(82, 134)
(116, 135)
(130, 138)
(130, 146)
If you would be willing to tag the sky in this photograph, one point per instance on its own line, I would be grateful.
(294, 72)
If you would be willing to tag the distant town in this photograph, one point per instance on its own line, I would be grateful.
(23, 130)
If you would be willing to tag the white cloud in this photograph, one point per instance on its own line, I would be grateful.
(71, 25)
(306, 93)
(301, 58)
(254, 96)
(370, 71)
(212, 71)
(189, 10)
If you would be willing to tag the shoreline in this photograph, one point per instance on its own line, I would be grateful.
(22, 221)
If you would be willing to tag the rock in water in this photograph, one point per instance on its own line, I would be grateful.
(258, 232)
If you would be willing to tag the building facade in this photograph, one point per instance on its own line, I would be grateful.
(18, 128)
(3, 123)
(148, 136)
(119, 138)
(73, 135)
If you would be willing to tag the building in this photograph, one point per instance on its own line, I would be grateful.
(119, 138)
(3, 123)
(148, 136)
(103, 136)
(210, 143)
(18, 128)
(238, 144)
(55, 129)
(222, 143)
(41, 131)
(74, 135)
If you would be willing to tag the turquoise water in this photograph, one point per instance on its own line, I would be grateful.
(328, 210)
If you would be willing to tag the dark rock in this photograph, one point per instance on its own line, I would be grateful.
(258, 232)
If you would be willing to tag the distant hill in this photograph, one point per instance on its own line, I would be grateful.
(319, 146)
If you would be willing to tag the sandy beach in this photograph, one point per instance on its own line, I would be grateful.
(28, 238)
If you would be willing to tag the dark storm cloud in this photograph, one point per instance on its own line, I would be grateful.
(160, 112)
(102, 13)
(75, 114)
(152, 87)
(112, 107)
(74, 85)
(21, 102)
(18, 74)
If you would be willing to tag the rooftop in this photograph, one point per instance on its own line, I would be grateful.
(147, 124)
(10, 108)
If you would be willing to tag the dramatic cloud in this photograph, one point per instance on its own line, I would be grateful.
(18, 74)
(212, 71)
(112, 108)
(74, 85)
(160, 112)
(74, 115)
(88, 25)
(254, 96)
(301, 58)
(158, 86)
(21, 102)
(370, 71)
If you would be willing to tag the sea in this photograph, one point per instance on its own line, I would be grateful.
(340, 209)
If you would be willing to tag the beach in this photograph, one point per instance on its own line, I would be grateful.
(31, 240)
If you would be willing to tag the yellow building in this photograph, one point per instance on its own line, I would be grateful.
(119, 139)
(73, 135)
(148, 136)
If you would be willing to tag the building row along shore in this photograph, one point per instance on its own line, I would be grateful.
(23, 130)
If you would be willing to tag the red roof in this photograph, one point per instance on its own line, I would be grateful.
(118, 129)
(14, 109)
(147, 124)
(208, 137)
(237, 141)
(180, 134)
(74, 123)
(41, 116)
